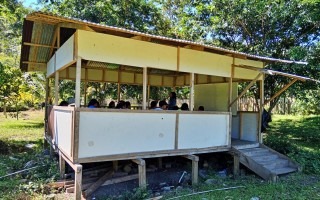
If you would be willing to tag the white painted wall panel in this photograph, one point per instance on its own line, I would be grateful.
(126, 51)
(214, 97)
(249, 126)
(203, 130)
(65, 53)
(51, 66)
(246, 73)
(63, 130)
(108, 133)
(205, 63)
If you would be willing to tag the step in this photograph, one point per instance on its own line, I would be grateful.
(283, 170)
(245, 146)
(254, 151)
(267, 157)
(277, 163)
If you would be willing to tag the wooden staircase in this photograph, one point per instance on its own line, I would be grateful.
(264, 161)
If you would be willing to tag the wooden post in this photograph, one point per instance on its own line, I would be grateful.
(261, 108)
(78, 181)
(236, 165)
(118, 96)
(145, 81)
(78, 82)
(46, 117)
(62, 166)
(56, 88)
(191, 106)
(195, 161)
(142, 172)
(115, 165)
(160, 163)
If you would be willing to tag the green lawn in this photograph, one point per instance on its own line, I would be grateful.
(296, 136)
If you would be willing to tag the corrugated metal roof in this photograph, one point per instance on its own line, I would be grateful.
(43, 29)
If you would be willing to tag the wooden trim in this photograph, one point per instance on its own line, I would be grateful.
(191, 106)
(38, 45)
(78, 82)
(261, 109)
(178, 58)
(56, 88)
(34, 63)
(155, 154)
(245, 89)
(62, 166)
(280, 91)
(144, 95)
(53, 41)
(176, 137)
(76, 136)
(75, 46)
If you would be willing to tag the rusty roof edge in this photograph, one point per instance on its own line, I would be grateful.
(75, 20)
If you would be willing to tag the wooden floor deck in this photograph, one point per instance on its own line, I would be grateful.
(243, 144)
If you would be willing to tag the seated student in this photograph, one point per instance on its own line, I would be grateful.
(63, 103)
(153, 105)
(184, 106)
(163, 105)
(128, 105)
(121, 105)
(112, 104)
(93, 103)
(201, 108)
(175, 108)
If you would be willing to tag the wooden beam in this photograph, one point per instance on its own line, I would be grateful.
(142, 171)
(245, 89)
(261, 108)
(280, 91)
(56, 88)
(78, 181)
(75, 26)
(62, 165)
(98, 183)
(37, 45)
(34, 63)
(142, 38)
(195, 168)
(145, 81)
(54, 40)
(191, 91)
(236, 165)
(194, 47)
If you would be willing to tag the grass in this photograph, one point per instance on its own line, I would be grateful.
(296, 136)
(14, 156)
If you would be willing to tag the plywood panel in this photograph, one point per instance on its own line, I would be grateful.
(127, 77)
(249, 126)
(51, 66)
(205, 63)
(139, 78)
(95, 74)
(111, 76)
(125, 51)
(245, 73)
(64, 55)
(108, 133)
(168, 81)
(63, 130)
(203, 130)
(155, 80)
(214, 97)
(180, 81)
(72, 73)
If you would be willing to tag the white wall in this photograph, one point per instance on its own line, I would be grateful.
(214, 97)
(64, 55)
(203, 130)
(249, 126)
(63, 130)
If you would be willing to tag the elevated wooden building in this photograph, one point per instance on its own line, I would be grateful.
(82, 51)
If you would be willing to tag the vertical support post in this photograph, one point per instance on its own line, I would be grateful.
(56, 88)
(85, 92)
(160, 163)
(148, 98)
(46, 117)
(145, 81)
(261, 108)
(142, 172)
(236, 165)
(115, 165)
(195, 168)
(62, 165)
(191, 92)
(78, 82)
(118, 96)
(78, 181)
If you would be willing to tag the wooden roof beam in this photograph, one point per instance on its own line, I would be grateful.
(142, 38)
(194, 47)
(38, 45)
(75, 26)
(34, 63)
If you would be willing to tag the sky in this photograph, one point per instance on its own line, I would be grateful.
(28, 3)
